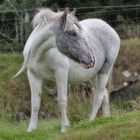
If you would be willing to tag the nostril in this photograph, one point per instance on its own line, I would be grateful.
(82, 62)
(91, 61)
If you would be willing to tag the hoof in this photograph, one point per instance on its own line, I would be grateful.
(31, 129)
(64, 128)
(92, 118)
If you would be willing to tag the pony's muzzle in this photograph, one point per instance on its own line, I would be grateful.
(87, 66)
(90, 65)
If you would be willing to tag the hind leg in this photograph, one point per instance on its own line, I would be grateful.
(101, 97)
(35, 85)
(105, 103)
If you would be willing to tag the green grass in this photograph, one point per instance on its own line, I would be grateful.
(17, 131)
(114, 128)
(124, 127)
(11, 91)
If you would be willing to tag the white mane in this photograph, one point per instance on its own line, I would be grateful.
(44, 16)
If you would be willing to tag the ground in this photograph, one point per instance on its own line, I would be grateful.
(124, 127)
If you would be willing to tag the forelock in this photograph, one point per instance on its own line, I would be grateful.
(72, 23)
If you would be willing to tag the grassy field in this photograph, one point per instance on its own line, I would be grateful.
(125, 127)
(15, 100)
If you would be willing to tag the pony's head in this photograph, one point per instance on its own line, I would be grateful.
(71, 41)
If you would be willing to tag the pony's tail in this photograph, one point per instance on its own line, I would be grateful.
(23, 66)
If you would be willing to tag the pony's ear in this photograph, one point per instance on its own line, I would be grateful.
(64, 16)
(73, 12)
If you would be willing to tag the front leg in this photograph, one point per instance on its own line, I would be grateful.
(62, 81)
(35, 85)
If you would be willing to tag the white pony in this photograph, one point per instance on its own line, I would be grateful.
(66, 50)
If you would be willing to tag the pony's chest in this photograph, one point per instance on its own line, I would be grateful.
(45, 66)
(41, 70)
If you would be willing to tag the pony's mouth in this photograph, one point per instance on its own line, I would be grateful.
(87, 66)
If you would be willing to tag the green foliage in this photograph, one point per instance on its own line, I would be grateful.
(16, 23)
